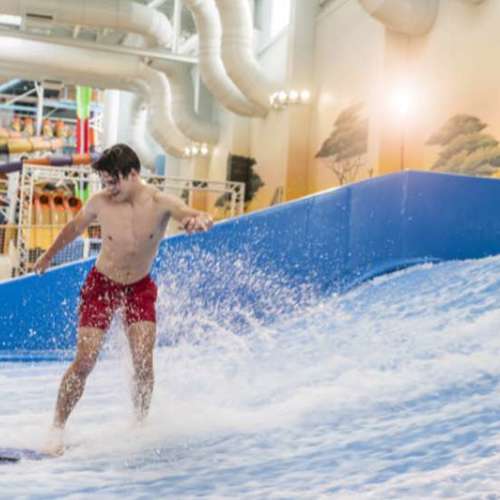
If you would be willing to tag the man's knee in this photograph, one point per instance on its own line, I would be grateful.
(83, 365)
(88, 347)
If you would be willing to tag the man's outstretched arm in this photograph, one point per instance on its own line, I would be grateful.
(68, 233)
(191, 220)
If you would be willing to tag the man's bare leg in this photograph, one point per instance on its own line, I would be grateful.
(89, 345)
(142, 337)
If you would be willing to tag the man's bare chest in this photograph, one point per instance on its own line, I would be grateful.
(125, 224)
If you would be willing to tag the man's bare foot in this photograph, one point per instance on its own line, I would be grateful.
(54, 446)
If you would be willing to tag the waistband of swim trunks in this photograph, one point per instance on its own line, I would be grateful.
(117, 283)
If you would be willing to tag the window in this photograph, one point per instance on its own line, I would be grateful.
(280, 16)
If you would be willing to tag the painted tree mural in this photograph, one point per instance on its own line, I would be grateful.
(343, 151)
(465, 148)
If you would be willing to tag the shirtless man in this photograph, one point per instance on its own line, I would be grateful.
(133, 217)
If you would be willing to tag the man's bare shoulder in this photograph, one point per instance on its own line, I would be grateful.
(167, 201)
(99, 197)
(159, 197)
(153, 191)
(96, 202)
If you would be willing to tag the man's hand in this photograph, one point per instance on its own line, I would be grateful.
(42, 264)
(197, 223)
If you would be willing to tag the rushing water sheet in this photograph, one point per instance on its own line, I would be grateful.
(389, 391)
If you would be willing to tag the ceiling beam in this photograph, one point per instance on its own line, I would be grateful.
(7, 85)
(120, 49)
(156, 3)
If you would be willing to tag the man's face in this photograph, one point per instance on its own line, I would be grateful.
(116, 188)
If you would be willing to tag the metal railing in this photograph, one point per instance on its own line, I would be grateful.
(4, 203)
(220, 198)
(46, 232)
(8, 232)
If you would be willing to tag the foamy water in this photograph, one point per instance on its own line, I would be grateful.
(390, 391)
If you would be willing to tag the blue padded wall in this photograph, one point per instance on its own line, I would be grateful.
(328, 242)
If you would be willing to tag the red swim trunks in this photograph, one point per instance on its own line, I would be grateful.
(100, 297)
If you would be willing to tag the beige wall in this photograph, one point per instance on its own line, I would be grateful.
(451, 70)
(455, 69)
(262, 139)
(268, 136)
(348, 69)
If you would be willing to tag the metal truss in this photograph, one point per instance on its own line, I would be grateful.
(81, 177)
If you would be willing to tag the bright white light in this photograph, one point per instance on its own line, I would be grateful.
(195, 150)
(187, 151)
(305, 95)
(293, 95)
(204, 150)
(282, 97)
(403, 100)
(10, 20)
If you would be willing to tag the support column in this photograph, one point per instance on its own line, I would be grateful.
(110, 118)
(39, 109)
(300, 77)
(177, 25)
(83, 96)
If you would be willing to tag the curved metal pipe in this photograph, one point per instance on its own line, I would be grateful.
(43, 60)
(122, 15)
(404, 16)
(238, 52)
(181, 85)
(138, 125)
(212, 70)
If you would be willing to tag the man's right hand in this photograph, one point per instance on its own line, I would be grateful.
(42, 264)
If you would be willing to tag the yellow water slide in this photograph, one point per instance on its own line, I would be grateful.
(59, 215)
(41, 230)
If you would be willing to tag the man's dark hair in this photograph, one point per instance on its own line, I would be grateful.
(116, 160)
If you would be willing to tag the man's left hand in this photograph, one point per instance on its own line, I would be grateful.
(197, 223)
